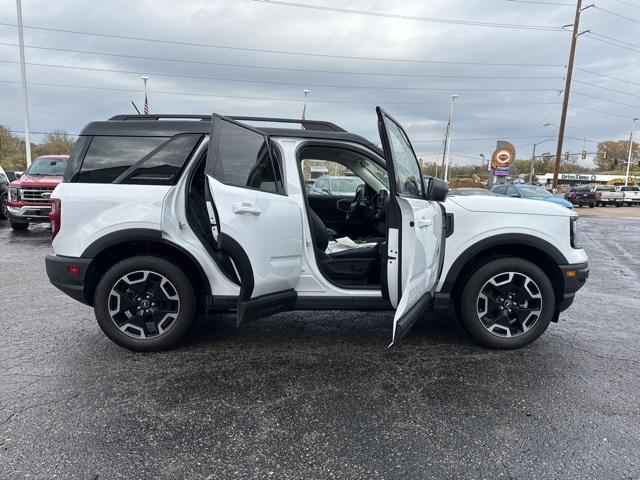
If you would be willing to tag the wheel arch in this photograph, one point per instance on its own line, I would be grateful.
(533, 249)
(110, 249)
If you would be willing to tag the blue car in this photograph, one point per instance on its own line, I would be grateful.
(532, 192)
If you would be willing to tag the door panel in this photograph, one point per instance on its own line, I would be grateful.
(415, 226)
(252, 214)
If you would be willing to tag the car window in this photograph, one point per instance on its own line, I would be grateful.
(408, 175)
(532, 191)
(335, 177)
(344, 185)
(512, 192)
(163, 165)
(108, 157)
(47, 166)
(241, 157)
(500, 190)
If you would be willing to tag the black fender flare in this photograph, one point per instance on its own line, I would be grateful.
(497, 241)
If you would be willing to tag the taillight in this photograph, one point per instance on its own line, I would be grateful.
(598, 195)
(54, 216)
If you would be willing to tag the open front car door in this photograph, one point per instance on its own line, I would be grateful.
(415, 231)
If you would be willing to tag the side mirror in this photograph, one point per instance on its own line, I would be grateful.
(437, 190)
(326, 190)
(17, 175)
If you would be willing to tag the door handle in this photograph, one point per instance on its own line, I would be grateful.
(246, 208)
(423, 222)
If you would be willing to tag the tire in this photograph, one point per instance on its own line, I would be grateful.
(3, 207)
(169, 287)
(18, 225)
(618, 204)
(591, 205)
(530, 323)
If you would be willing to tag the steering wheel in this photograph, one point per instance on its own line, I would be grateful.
(357, 200)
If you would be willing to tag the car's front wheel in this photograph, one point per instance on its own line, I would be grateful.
(3, 207)
(145, 303)
(18, 225)
(507, 303)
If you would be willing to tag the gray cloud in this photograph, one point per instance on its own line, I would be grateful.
(515, 109)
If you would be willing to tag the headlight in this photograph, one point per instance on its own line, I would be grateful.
(573, 231)
(14, 194)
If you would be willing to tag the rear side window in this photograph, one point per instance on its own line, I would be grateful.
(109, 157)
(241, 157)
(163, 165)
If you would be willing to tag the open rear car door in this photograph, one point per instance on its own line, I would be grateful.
(257, 227)
(415, 230)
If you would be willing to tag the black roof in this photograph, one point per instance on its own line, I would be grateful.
(171, 124)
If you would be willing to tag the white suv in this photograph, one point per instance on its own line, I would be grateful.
(160, 217)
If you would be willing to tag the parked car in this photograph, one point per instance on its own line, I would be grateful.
(156, 224)
(4, 193)
(531, 192)
(338, 186)
(631, 195)
(470, 191)
(608, 195)
(581, 196)
(29, 195)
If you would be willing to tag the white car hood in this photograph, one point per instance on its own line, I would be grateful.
(520, 206)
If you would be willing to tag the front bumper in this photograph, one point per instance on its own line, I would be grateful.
(30, 213)
(574, 277)
(68, 274)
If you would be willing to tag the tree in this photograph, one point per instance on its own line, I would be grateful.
(57, 142)
(12, 151)
(612, 154)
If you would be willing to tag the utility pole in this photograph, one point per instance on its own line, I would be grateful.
(567, 90)
(447, 146)
(633, 126)
(23, 74)
(533, 159)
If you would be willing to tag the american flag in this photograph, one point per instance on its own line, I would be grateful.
(146, 105)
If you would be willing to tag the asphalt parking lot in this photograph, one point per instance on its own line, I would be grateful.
(318, 395)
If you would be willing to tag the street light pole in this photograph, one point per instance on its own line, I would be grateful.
(447, 147)
(304, 107)
(633, 126)
(23, 74)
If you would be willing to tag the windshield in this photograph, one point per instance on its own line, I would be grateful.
(345, 184)
(53, 167)
(606, 189)
(377, 171)
(532, 191)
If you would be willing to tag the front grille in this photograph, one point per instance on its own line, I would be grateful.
(36, 194)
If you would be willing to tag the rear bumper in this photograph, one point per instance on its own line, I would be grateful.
(574, 277)
(29, 213)
(58, 271)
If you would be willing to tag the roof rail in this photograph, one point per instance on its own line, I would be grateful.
(305, 124)
(160, 116)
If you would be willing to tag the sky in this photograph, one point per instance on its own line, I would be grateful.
(251, 57)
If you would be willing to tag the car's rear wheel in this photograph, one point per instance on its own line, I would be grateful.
(507, 303)
(145, 303)
(18, 225)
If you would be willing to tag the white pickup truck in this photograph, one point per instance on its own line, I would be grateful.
(608, 195)
(630, 195)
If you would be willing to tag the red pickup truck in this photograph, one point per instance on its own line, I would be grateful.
(29, 196)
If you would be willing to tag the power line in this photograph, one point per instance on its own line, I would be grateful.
(624, 42)
(629, 4)
(600, 111)
(606, 88)
(616, 14)
(242, 49)
(543, 3)
(265, 82)
(291, 69)
(411, 17)
(607, 100)
(611, 43)
(607, 76)
(197, 94)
